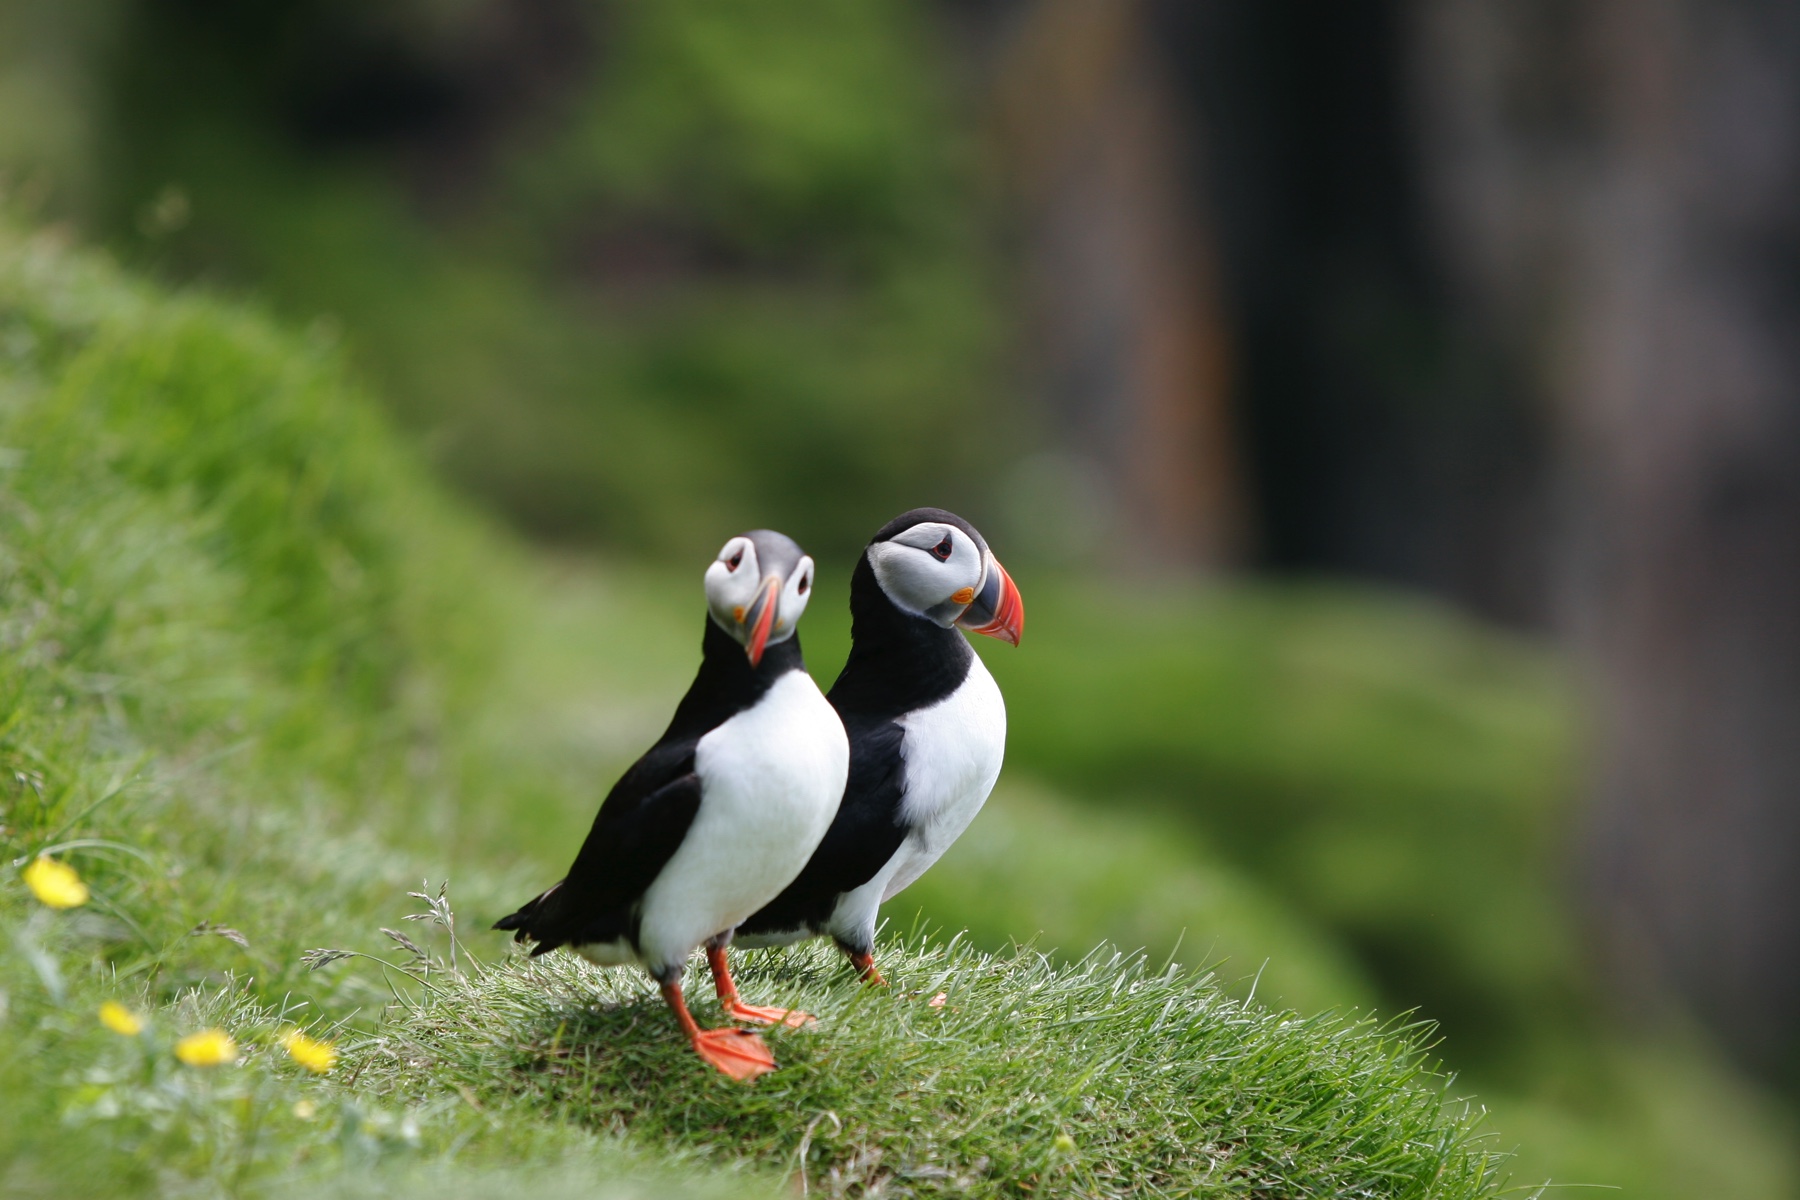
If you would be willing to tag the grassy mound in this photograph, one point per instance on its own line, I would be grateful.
(971, 1075)
(246, 652)
(239, 630)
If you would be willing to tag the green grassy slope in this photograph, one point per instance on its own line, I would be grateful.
(249, 692)
(971, 1075)
(1456, 843)
(211, 701)
(1402, 777)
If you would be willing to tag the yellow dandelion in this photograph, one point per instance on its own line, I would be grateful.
(56, 884)
(311, 1053)
(120, 1020)
(208, 1048)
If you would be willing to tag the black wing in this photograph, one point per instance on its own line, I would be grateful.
(638, 829)
(863, 836)
(648, 812)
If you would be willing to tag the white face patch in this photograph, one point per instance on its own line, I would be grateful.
(930, 570)
(731, 584)
(735, 582)
(795, 593)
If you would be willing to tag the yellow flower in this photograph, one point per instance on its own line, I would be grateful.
(121, 1020)
(56, 884)
(310, 1053)
(208, 1048)
(306, 1110)
(1064, 1144)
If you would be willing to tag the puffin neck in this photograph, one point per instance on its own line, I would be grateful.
(727, 684)
(898, 662)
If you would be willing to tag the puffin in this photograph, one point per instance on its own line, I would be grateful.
(721, 813)
(927, 730)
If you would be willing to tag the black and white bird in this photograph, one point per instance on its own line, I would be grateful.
(926, 722)
(721, 813)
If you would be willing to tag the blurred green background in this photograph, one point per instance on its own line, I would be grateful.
(635, 276)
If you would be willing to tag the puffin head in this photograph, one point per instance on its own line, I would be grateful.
(933, 564)
(757, 588)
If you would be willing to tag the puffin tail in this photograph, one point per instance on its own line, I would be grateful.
(521, 922)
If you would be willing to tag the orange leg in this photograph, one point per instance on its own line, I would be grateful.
(865, 967)
(737, 1009)
(738, 1053)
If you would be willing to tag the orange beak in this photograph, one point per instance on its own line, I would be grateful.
(763, 613)
(998, 611)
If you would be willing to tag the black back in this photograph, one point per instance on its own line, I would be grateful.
(898, 663)
(649, 810)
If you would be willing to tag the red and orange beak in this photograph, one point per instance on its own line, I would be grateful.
(761, 619)
(997, 611)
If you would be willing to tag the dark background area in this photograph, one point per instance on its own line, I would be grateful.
(1491, 302)
(1384, 435)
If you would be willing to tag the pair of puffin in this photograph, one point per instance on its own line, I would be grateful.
(770, 813)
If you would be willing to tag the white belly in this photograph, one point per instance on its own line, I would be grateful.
(770, 782)
(951, 755)
(952, 752)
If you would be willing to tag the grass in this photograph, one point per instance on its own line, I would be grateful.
(258, 677)
(973, 1074)
(231, 664)
(1075, 878)
(248, 692)
(1400, 778)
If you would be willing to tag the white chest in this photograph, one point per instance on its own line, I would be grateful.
(952, 753)
(781, 760)
(770, 779)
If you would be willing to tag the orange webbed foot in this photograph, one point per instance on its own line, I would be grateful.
(736, 1009)
(793, 1018)
(737, 1053)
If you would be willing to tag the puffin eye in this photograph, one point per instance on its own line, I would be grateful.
(732, 563)
(942, 550)
(805, 582)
